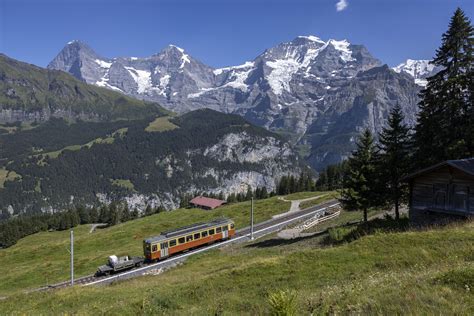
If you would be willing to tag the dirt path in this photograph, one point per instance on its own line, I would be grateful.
(295, 204)
(94, 226)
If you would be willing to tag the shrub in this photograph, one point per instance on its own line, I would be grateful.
(283, 303)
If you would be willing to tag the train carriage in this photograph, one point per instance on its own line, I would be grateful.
(185, 238)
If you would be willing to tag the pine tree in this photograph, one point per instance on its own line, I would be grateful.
(445, 124)
(395, 146)
(249, 194)
(264, 193)
(360, 184)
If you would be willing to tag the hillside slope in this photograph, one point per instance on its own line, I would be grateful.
(141, 162)
(419, 272)
(18, 272)
(29, 93)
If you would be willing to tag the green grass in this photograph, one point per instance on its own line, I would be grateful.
(124, 183)
(42, 258)
(105, 140)
(161, 124)
(416, 272)
(303, 195)
(7, 175)
(344, 217)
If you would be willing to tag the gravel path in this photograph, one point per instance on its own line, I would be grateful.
(94, 226)
(295, 205)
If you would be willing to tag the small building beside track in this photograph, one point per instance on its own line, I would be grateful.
(442, 193)
(206, 203)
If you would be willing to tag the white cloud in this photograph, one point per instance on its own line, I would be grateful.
(341, 5)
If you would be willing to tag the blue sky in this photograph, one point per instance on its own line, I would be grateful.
(222, 32)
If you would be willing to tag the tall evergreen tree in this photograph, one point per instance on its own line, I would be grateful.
(445, 122)
(360, 183)
(395, 148)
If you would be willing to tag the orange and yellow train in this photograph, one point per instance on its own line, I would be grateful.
(185, 238)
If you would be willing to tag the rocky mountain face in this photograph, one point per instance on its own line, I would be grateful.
(305, 88)
(418, 69)
(163, 77)
(205, 151)
(33, 94)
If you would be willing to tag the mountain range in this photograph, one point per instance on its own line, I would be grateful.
(65, 143)
(320, 94)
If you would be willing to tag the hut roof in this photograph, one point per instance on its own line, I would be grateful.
(207, 202)
(464, 165)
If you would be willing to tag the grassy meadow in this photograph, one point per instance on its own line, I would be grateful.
(42, 258)
(161, 124)
(415, 272)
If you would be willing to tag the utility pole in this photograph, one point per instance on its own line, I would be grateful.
(72, 257)
(251, 221)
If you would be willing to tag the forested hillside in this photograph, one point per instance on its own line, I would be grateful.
(205, 151)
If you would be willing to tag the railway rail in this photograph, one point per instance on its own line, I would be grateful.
(261, 229)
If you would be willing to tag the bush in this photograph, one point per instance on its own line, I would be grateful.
(283, 303)
(338, 234)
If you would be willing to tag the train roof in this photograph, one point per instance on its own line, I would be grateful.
(187, 229)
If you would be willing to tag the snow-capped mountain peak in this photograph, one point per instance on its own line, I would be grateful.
(312, 38)
(415, 68)
(418, 69)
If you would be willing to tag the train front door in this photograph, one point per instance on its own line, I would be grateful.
(225, 232)
(164, 250)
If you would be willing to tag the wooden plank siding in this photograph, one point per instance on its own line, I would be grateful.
(446, 189)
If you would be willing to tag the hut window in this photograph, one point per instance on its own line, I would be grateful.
(439, 195)
(460, 197)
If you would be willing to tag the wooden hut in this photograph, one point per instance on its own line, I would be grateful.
(206, 203)
(442, 192)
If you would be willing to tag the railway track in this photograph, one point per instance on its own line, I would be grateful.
(242, 235)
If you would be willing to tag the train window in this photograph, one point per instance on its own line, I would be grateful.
(181, 240)
(189, 238)
(232, 226)
(225, 228)
(218, 230)
(211, 231)
(197, 236)
(154, 248)
(173, 243)
(204, 234)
